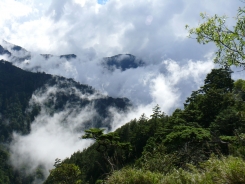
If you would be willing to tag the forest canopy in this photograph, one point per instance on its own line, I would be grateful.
(190, 142)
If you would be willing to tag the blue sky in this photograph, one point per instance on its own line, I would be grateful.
(102, 1)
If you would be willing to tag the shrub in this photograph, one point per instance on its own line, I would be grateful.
(227, 170)
(134, 176)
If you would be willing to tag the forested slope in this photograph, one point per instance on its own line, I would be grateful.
(24, 94)
(16, 89)
(170, 149)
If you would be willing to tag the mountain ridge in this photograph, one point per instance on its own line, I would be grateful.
(119, 61)
(17, 85)
(27, 98)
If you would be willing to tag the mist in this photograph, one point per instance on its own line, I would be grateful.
(57, 135)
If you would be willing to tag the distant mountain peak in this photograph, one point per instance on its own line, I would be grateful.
(69, 56)
(122, 62)
(18, 55)
(4, 51)
(15, 49)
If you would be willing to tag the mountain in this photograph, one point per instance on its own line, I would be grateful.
(4, 51)
(122, 62)
(25, 96)
(17, 55)
(17, 87)
(201, 143)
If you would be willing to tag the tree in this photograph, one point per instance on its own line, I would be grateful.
(207, 102)
(106, 140)
(227, 121)
(64, 174)
(239, 89)
(113, 150)
(219, 79)
(229, 41)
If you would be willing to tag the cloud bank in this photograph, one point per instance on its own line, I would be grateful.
(54, 133)
(149, 29)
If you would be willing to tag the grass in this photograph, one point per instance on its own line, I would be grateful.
(228, 170)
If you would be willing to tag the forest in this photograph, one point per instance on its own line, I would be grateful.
(17, 87)
(202, 143)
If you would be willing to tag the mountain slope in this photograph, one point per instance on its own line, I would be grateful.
(191, 141)
(28, 98)
(18, 86)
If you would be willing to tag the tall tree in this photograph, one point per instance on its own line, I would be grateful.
(64, 174)
(212, 98)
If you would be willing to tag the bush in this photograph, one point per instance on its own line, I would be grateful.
(225, 170)
(133, 176)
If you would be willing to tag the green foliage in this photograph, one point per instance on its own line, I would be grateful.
(229, 42)
(214, 97)
(218, 79)
(134, 176)
(212, 116)
(16, 88)
(64, 174)
(157, 160)
(224, 170)
(212, 122)
(227, 121)
(16, 114)
(184, 134)
(156, 112)
(106, 140)
(4, 168)
(239, 89)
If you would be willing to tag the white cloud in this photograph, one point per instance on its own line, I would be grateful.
(150, 29)
(11, 9)
(49, 139)
(154, 83)
(55, 135)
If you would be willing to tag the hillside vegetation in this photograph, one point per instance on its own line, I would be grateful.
(202, 143)
(18, 110)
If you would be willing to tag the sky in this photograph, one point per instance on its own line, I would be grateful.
(151, 30)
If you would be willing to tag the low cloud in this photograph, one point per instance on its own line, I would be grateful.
(49, 139)
(168, 82)
(56, 135)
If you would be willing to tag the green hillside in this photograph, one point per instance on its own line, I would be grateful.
(17, 88)
(204, 142)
